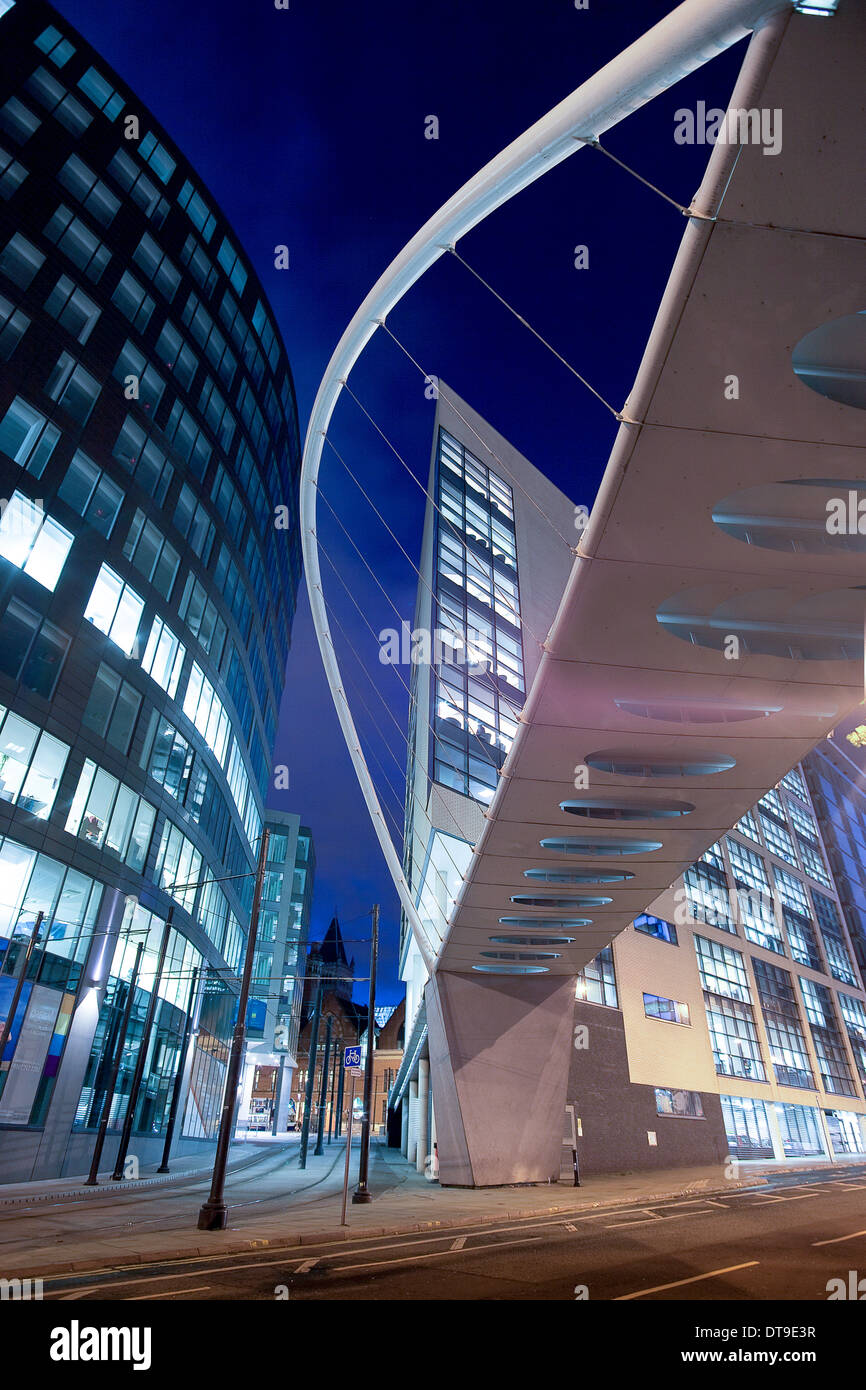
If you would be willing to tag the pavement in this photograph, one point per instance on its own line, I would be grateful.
(60, 1227)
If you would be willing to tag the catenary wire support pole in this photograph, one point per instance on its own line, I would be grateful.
(333, 1087)
(323, 1096)
(362, 1192)
(178, 1080)
(93, 1179)
(341, 1082)
(343, 1221)
(214, 1212)
(16, 997)
(311, 1072)
(143, 1047)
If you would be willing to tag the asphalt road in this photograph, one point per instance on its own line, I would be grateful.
(784, 1240)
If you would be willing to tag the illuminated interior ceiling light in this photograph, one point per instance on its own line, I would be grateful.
(628, 763)
(527, 900)
(577, 875)
(597, 808)
(580, 844)
(545, 923)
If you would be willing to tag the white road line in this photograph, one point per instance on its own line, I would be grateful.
(171, 1293)
(307, 1265)
(459, 1243)
(803, 1198)
(837, 1239)
(435, 1255)
(678, 1283)
(651, 1221)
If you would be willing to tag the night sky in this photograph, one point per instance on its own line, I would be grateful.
(307, 125)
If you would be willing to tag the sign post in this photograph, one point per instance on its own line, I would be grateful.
(352, 1065)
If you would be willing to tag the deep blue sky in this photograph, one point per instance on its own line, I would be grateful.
(308, 127)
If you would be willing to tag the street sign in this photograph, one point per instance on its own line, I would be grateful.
(352, 1059)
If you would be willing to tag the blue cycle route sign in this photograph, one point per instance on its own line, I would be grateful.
(352, 1058)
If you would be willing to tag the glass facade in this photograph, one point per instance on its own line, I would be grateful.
(148, 433)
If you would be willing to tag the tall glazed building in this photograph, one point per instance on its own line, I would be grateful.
(148, 433)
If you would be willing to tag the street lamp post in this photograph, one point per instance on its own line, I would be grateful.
(311, 1071)
(362, 1192)
(214, 1212)
(323, 1098)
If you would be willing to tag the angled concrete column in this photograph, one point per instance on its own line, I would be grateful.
(423, 1102)
(412, 1146)
(500, 1048)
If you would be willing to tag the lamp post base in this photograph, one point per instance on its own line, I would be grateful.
(213, 1216)
(360, 1195)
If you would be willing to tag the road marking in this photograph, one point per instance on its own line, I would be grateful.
(307, 1265)
(678, 1283)
(836, 1239)
(436, 1255)
(651, 1220)
(459, 1243)
(569, 1226)
(803, 1198)
(170, 1293)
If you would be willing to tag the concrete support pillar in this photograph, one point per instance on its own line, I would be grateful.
(242, 1115)
(423, 1103)
(500, 1048)
(412, 1145)
(434, 1159)
(284, 1091)
(824, 1132)
(404, 1124)
(775, 1132)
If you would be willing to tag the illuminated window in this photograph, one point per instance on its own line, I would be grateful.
(27, 437)
(163, 656)
(111, 816)
(178, 866)
(596, 982)
(72, 308)
(20, 260)
(90, 191)
(667, 1010)
(77, 242)
(203, 706)
(55, 46)
(685, 1104)
(115, 608)
(101, 93)
(31, 764)
(32, 541)
(91, 493)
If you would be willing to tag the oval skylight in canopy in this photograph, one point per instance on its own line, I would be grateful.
(578, 875)
(770, 622)
(503, 969)
(582, 844)
(628, 763)
(793, 516)
(545, 923)
(618, 809)
(526, 900)
(520, 955)
(696, 711)
(831, 360)
(532, 940)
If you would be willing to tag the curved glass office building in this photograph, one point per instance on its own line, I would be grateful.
(149, 562)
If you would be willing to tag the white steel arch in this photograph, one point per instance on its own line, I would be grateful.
(683, 41)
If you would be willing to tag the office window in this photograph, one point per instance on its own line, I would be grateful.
(101, 93)
(197, 210)
(746, 1127)
(278, 847)
(792, 891)
(55, 46)
(854, 1016)
(157, 157)
(151, 553)
(657, 927)
(801, 939)
(727, 999)
(748, 827)
(72, 308)
(668, 1010)
(91, 493)
(189, 441)
(830, 926)
(178, 866)
(54, 97)
(73, 388)
(192, 520)
(177, 354)
(803, 821)
(93, 195)
(148, 382)
(272, 887)
(140, 188)
(800, 1129)
(27, 437)
(203, 706)
(111, 816)
(33, 541)
(144, 460)
(112, 708)
(12, 174)
(20, 260)
(830, 1050)
(813, 861)
(232, 265)
(32, 649)
(133, 301)
(115, 608)
(163, 656)
(217, 414)
(151, 258)
(788, 1051)
(169, 758)
(75, 239)
(18, 120)
(31, 764)
(777, 839)
(200, 614)
(193, 256)
(707, 893)
(793, 782)
(596, 982)
(686, 1105)
(13, 326)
